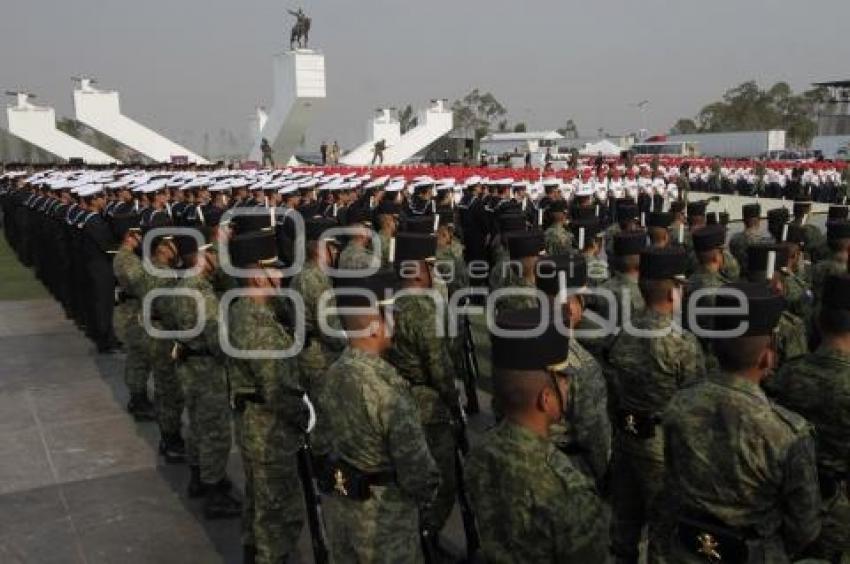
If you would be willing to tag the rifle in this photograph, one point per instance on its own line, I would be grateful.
(470, 529)
(313, 503)
(470, 369)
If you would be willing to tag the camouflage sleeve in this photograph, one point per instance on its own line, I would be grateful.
(186, 314)
(416, 470)
(691, 360)
(800, 495)
(592, 425)
(435, 357)
(579, 539)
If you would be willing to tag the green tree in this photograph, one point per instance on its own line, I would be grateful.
(407, 119)
(477, 112)
(684, 126)
(520, 128)
(570, 130)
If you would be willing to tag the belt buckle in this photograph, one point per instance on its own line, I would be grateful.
(339, 483)
(707, 545)
(631, 424)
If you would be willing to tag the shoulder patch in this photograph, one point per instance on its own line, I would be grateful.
(797, 422)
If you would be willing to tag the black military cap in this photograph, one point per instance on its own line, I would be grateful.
(558, 206)
(124, 222)
(762, 309)
(696, 208)
(627, 211)
(188, 245)
(708, 238)
(582, 213)
(523, 244)
(758, 257)
(587, 228)
(419, 224)
(415, 246)
(629, 243)
(315, 227)
(837, 212)
(360, 214)
(547, 351)
(749, 211)
(717, 218)
(255, 247)
(251, 222)
(380, 287)
(511, 222)
(659, 219)
(836, 291)
(794, 234)
(802, 207)
(389, 207)
(838, 229)
(677, 206)
(549, 269)
(664, 263)
(778, 215)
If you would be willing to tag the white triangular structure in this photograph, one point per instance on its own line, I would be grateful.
(383, 126)
(299, 92)
(433, 123)
(101, 110)
(37, 125)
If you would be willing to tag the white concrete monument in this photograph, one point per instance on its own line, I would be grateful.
(433, 123)
(383, 126)
(101, 110)
(37, 125)
(299, 92)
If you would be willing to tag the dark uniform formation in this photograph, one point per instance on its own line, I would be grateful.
(715, 436)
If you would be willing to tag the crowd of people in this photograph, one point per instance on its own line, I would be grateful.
(615, 420)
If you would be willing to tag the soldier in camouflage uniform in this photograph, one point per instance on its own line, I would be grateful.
(450, 264)
(200, 368)
(502, 272)
(312, 283)
(708, 245)
(625, 259)
(423, 359)
(626, 214)
(817, 387)
(558, 240)
(648, 371)
(838, 240)
(524, 248)
(751, 234)
(798, 291)
(587, 234)
(129, 273)
(740, 480)
(387, 216)
(585, 435)
(271, 412)
(814, 240)
(357, 254)
(168, 394)
(531, 503)
(378, 473)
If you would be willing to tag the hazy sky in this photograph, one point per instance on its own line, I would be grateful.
(184, 66)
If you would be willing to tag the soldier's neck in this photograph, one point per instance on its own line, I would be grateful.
(537, 425)
(840, 343)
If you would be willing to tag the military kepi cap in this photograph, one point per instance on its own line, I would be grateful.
(513, 351)
(551, 270)
(523, 244)
(762, 309)
(414, 246)
(839, 229)
(837, 212)
(659, 219)
(836, 291)
(708, 238)
(750, 211)
(629, 243)
(366, 291)
(257, 247)
(663, 264)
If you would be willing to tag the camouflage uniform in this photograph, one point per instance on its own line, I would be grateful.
(740, 242)
(791, 341)
(422, 358)
(754, 470)
(597, 271)
(130, 275)
(500, 274)
(558, 241)
(516, 300)
(320, 350)
(704, 278)
(203, 376)
(799, 296)
(815, 242)
(168, 394)
(355, 257)
(367, 417)
(385, 248)
(586, 434)
(453, 255)
(821, 271)
(731, 267)
(270, 420)
(532, 505)
(618, 284)
(817, 387)
(648, 372)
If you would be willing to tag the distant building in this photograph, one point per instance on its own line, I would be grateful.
(530, 141)
(833, 116)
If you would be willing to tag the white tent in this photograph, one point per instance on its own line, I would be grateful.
(605, 147)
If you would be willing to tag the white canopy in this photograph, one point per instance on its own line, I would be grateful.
(604, 146)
